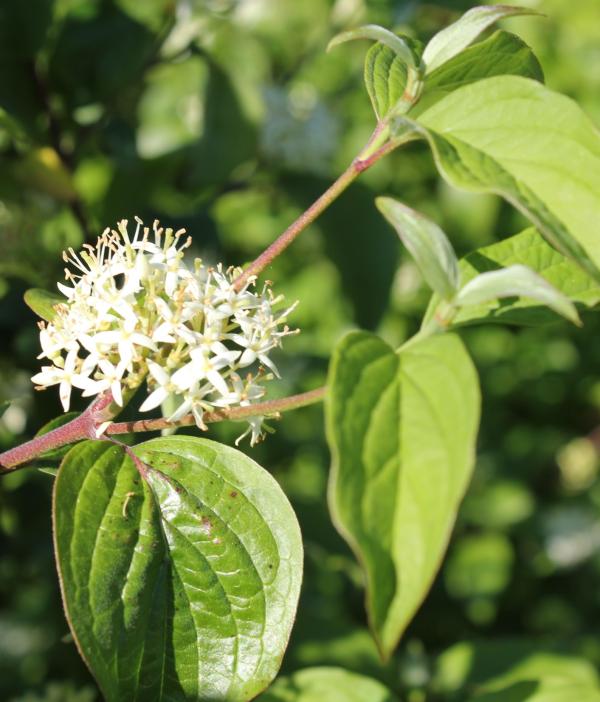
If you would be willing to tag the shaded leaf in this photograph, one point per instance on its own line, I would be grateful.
(427, 243)
(183, 585)
(401, 428)
(43, 302)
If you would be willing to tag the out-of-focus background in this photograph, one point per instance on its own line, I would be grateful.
(228, 117)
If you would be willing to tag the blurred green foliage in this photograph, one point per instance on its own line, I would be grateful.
(228, 118)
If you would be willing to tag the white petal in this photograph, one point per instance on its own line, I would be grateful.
(65, 394)
(155, 399)
(217, 380)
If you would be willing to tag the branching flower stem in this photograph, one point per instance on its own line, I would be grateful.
(86, 426)
(95, 420)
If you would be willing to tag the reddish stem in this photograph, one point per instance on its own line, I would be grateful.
(86, 425)
(280, 244)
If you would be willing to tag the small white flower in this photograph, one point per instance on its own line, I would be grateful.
(67, 377)
(165, 387)
(134, 310)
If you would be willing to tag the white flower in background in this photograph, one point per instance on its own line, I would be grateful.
(134, 311)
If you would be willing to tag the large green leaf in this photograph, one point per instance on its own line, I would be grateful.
(327, 685)
(530, 249)
(182, 585)
(514, 137)
(402, 429)
(501, 54)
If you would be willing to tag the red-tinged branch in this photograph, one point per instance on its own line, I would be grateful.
(82, 427)
(268, 408)
(87, 424)
(377, 147)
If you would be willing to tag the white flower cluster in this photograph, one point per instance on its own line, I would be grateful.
(135, 311)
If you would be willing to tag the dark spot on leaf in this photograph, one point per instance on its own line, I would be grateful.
(233, 493)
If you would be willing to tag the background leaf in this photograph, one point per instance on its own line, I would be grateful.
(495, 135)
(402, 429)
(184, 585)
(43, 302)
(527, 247)
(330, 684)
(507, 670)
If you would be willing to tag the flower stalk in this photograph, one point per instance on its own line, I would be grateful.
(87, 425)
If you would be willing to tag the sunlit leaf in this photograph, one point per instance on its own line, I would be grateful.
(402, 429)
(512, 136)
(456, 37)
(528, 248)
(516, 281)
(501, 54)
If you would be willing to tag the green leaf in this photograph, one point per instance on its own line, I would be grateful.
(529, 248)
(453, 39)
(512, 136)
(516, 281)
(501, 54)
(182, 585)
(327, 685)
(500, 663)
(545, 690)
(427, 243)
(43, 302)
(402, 429)
(400, 46)
(4, 406)
(386, 76)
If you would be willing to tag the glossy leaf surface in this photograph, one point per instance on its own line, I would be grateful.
(402, 429)
(183, 585)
